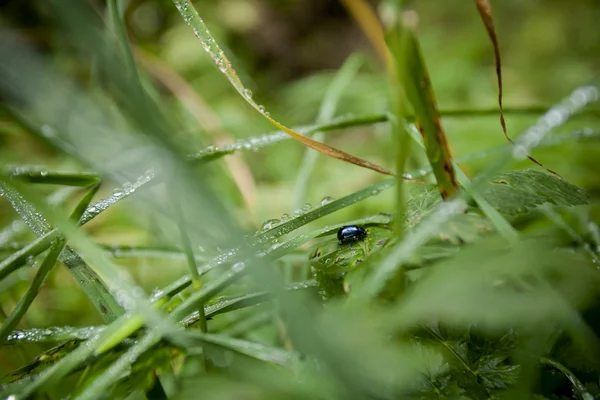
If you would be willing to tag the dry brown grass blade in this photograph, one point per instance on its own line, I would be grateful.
(485, 11)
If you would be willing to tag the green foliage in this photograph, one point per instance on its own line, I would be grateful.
(168, 286)
(515, 192)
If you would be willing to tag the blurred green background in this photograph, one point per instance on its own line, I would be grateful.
(287, 52)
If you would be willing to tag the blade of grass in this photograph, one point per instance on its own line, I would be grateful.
(191, 17)
(251, 349)
(34, 174)
(397, 44)
(414, 78)
(49, 262)
(578, 387)
(340, 81)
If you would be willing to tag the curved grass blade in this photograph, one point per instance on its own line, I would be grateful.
(191, 17)
(578, 387)
(485, 11)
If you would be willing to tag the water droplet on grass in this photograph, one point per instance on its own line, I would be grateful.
(326, 200)
(270, 224)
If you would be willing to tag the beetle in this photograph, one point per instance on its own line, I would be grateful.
(351, 233)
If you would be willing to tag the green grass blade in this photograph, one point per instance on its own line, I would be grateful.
(414, 78)
(20, 257)
(251, 349)
(502, 226)
(397, 43)
(35, 174)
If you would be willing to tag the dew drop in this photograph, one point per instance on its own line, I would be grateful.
(270, 224)
(326, 200)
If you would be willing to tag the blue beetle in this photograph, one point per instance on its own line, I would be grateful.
(351, 233)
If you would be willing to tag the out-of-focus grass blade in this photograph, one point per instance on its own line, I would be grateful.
(414, 78)
(89, 281)
(341, 80)
(251, 349)
(23, 305)
(40, 175)
(397, 44)
(191, 17)
(485, 11)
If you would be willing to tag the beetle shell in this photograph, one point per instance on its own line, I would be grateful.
(351, 233)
